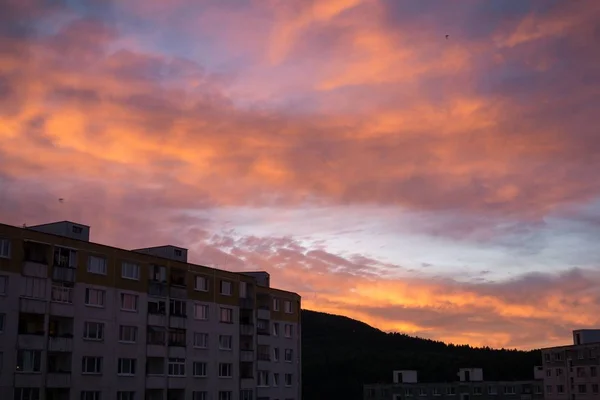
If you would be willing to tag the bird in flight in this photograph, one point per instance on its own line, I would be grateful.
(61, 200)
(447, 37)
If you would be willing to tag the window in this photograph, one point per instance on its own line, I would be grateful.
(558, 356)
(77, 229)
(97, 265)
(549, 372)
(27, 394)
(201, 284)
(226, 315)
(275, 353)
(65, 258)
(3, 284)
(263, 352)
(559, 389)
(548, 388)
(275, 379)
(275, 328)
(158, 273)
(125, 395)
(288, 355)
(226, 287)
(547, 357)
(509, 390)
(94, 297)
(436, 391)
(582, 388)
(580, 372)
(129, 302)
(91, 365)
(176, 367)
(90, 395)
(61, 294)
(225, 395)
(130, 270)
(594, 388)
(177, 308)
(247, 394)
(263, 378)
(177, 337)
(2, 319)
(559, 371)
(199, 369)
(224, 370)
(128, 334)
(155, 366)
(492, 390)
(93, 330)
(423, 391)
(450, 390)
(407, 392)
(126, 366)
(178, 253)
(225, 342)
(243, 290)
(288, 307)
(200, 340)
(288, 330)
(199, 395)
(593, 371)
(538, 389)
(157, 307)
(35, 287)
(29, 360)
(275, 304)
(156, 335)
(201, 311)
(4, 248)
(288, 379)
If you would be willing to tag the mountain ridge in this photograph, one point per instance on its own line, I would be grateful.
(340, 354)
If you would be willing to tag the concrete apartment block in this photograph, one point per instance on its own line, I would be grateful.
(84, 321)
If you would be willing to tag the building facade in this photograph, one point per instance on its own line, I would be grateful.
(469, 386)
(571, 372)
(85, 321)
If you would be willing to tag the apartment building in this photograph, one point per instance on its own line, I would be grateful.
(85, 321)
(571, 371)
(469, 386)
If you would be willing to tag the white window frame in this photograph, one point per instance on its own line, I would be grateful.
(126, 366)
(199, 369)
(509, 389)
(291, 380)
(5, 247)
(27, 393)
(132, 297)
(201, 283)
(275, 304)
(199, 395)
(93, 331)
(94, 362)
(97, 265)
(29, 359)
(126, 395)
(201, 311)
(290, 353)
(176, 367)
(178, 308)
(288, 330)
(100, 297)
(225, 342)
(225, 370)
(226, 315)
(275, 329)
(91, 395)
(201, 340)
(262, 379)
(288, 308)
(226, 288)
(130, 270)
(61, 294)
(128, 334)
(3, 285)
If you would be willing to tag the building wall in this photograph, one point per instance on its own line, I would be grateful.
(17, 299)
(530, 390)
(572, 372)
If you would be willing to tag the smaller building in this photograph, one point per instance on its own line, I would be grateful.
(469, 386)
(571, 372)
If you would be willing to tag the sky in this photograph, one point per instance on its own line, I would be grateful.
(444, 187)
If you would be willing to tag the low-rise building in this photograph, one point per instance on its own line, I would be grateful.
(470, 385)
(571, 371)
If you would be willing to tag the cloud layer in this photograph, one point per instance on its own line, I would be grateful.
(221, 125)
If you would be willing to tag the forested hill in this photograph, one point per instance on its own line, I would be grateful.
(340, 354)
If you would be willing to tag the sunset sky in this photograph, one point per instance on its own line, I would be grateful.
(445, 188)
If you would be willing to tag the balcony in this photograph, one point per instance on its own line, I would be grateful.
(178, 292)
(157, 289)
(62, 344)
(177, 322)
(36, 253)
(264, 314)
(58, 394)
(32, 306)
(247, 303)
(63, 274)
(58, 380)
(246, 355)
(35, 269)
(247, 329)
(31, 331)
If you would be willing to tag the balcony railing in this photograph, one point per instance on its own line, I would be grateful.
(62, 294)
(246, 329)
(63, 274)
